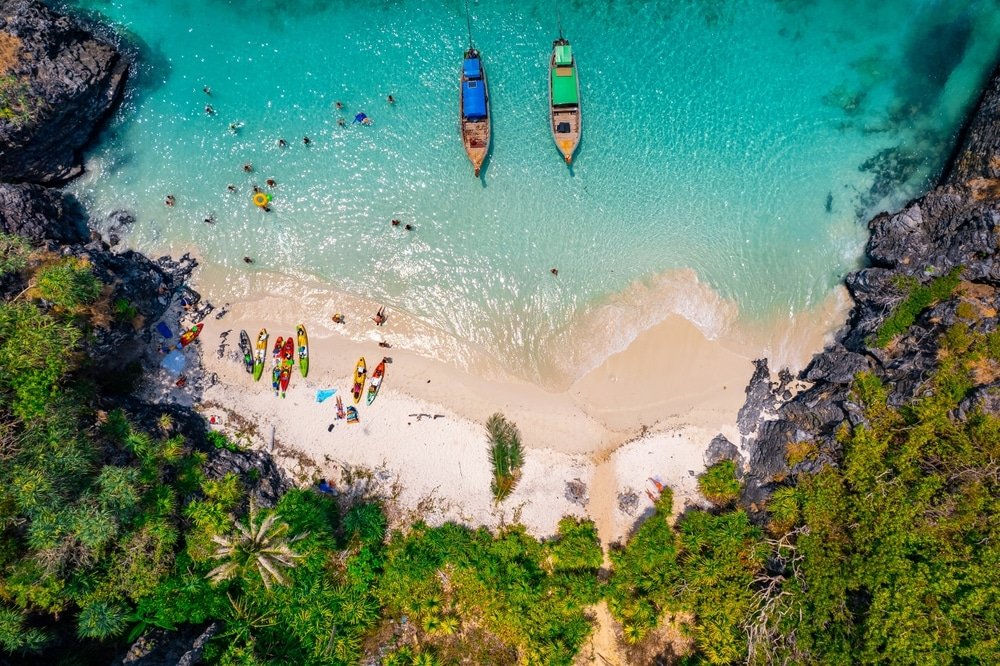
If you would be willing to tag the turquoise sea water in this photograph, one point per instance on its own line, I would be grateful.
(731, 151)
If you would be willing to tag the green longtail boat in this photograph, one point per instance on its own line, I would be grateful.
(564, 99)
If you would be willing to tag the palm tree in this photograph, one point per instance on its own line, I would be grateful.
(506, 455)
(263, 548)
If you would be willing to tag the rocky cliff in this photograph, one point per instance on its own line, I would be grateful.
(953, 227)
(57, 82)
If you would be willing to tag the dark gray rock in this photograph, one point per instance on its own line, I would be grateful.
(71, 80)
(39, 213)
(980, 143)
(169, 648)
(265, 481)
(721, 448)
(760, 398)
(836, 365)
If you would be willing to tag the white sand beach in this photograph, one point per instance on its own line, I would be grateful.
(646, 412)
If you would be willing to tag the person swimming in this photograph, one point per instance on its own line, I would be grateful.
(282, 143)
(306, 140)
(408, 227)
(169, 200)
(390, 99)
(231, 187)
(248, 167)
(362, 118)
(271, 182)
(340, 121)
(209, 110)
(339, 105)
(207, 90)
(395, 223)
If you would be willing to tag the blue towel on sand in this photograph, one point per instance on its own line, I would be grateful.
(323, 394)
(164, 330)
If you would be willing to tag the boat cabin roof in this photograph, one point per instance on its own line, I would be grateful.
(564, 54)
(473, 100)
(564, 86)
(472, 68)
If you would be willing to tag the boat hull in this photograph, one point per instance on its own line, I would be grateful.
(565, 120)
(476, 132)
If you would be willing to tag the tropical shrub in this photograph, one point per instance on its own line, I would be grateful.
(68, 284)
(918, 299)
(506, 455)
(719, 484)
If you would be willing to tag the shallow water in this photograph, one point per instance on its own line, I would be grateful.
(731, 152)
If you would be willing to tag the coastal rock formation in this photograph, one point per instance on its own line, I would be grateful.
(57, 82)
(953, 227)
(38, 213)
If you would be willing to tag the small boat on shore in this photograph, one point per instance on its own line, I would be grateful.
(564, 99)
(247, 351)
(260, 355)
(303, 348)
(188, 336)
(376, 383)
(360, 371)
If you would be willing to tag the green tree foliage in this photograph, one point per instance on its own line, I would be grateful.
(37, 352)
(645, 573)
(455, 582)
(69, 284)
(719, 484)
(506, 455)
(895, 557)
(918, 299)
(260, 545)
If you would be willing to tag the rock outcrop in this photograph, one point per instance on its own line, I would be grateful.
(65, 81)
(953, 226)
(38, 213)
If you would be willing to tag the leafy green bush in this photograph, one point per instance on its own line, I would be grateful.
(36, 352)
(13, 253)
(124, 310)
(220, 441)
(918, 300)
(719, 484)
(506, 455)
(69, 284)
(644, 573)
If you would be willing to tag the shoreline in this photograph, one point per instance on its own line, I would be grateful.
(648, 411)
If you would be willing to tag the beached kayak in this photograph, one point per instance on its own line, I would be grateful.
(276, 378)
(288, 353)
(359, 380)
(377, 376)
(276, 351)
(188, 336)
(261, 354)
(303, 347)
(247, 351)
(286, 374)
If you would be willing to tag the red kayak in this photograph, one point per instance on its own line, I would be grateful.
(286, 374)
(287, 354)
(188, 336)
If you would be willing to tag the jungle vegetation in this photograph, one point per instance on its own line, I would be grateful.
(110, 527)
